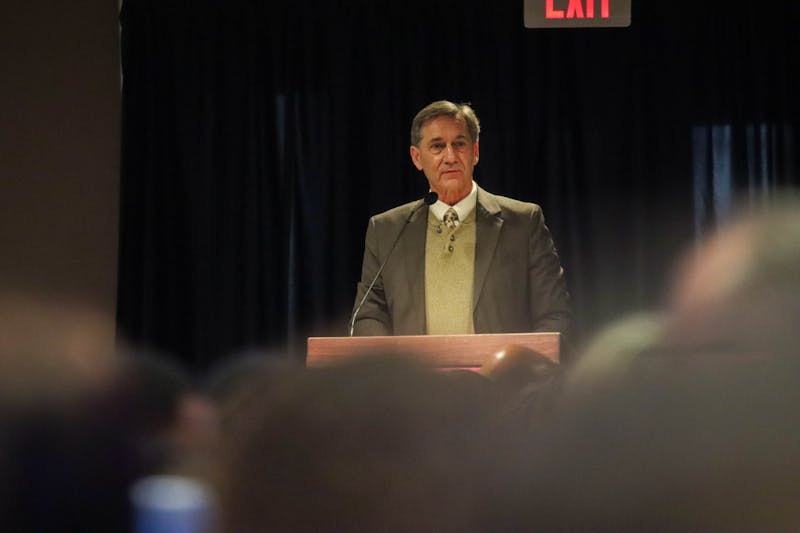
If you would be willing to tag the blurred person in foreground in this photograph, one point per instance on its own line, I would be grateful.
(234, 380)
(172, 421)
(672, 447)
(683, 420)
(376, 445)
(64, 458)
(740, 292)
(735, 296)
(472, 262)
(82, 417)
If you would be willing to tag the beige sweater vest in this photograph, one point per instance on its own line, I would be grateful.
(449, 273)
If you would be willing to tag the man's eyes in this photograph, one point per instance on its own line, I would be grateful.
(458, 145)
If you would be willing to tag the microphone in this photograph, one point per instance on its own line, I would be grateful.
(429, 199)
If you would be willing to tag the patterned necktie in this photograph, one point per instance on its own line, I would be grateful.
(450, 218)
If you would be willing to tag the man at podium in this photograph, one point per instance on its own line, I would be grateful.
(462, 260)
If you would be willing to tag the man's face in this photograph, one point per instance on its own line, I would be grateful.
(447, 156)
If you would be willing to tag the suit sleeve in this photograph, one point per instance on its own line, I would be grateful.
(548, 297)
(373, 317)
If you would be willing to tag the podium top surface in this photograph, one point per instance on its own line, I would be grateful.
(453, 351)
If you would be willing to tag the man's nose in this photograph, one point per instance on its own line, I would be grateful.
(449, 153)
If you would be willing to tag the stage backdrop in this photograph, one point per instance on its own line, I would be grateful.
(258, 138)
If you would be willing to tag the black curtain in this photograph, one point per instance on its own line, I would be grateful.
(259, 137)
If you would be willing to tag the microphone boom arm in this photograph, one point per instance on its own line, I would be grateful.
(430, 199)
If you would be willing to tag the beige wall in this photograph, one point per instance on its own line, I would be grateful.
(59, 148)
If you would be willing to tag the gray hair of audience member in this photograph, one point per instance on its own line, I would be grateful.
(378, 445)
(672, 447)
(611, 353)
(740, 291)
(444, 108)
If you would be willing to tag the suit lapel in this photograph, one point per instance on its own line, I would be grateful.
(414, 254)
(487, 231)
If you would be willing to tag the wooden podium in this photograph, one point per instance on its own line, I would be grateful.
(438, 351)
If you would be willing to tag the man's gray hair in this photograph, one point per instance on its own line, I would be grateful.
(442, 108)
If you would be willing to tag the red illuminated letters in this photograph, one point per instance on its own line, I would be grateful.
(575, 9)
(553, 13)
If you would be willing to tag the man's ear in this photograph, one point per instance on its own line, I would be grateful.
(476, 153)
(415, 155)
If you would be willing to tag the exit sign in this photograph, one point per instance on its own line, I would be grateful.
(577, 13)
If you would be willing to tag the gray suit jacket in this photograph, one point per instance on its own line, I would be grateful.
(519, 283)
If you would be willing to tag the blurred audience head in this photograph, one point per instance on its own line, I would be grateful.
(526, 384)
(684, 420)
(612, 354)
(64, 460)
(82, 416)
(740, 291)
(515, 366)
(377, 445)
(672, 447)
(172, 422)
(232, 381)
